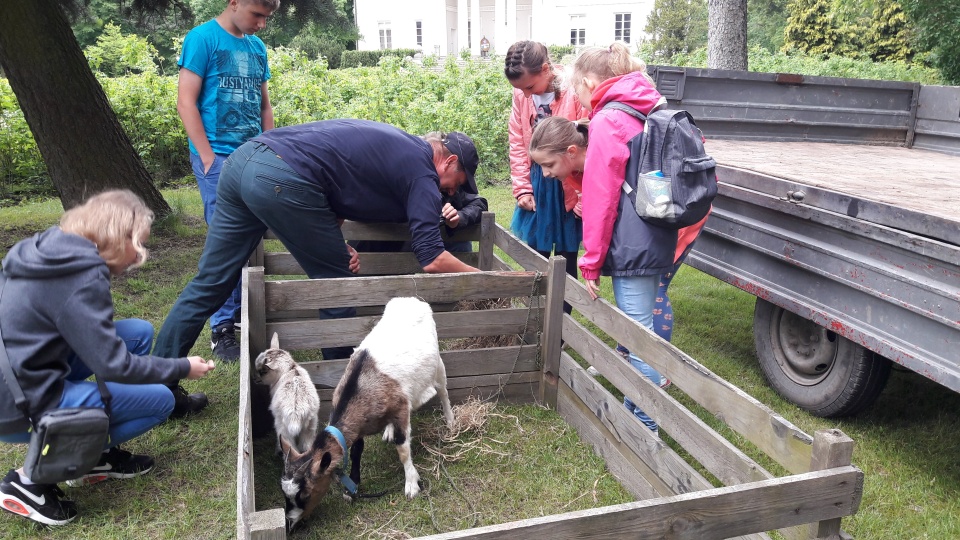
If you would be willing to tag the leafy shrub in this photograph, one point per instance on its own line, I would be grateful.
(762, 60)
(116, 54)
(371, 58)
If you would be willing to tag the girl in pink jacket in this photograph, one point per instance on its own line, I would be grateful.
(617, 242)
(544, 217)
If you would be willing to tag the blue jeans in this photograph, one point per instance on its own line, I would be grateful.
(134, 409)
(229, 312)
(636, 296)
(257, 190)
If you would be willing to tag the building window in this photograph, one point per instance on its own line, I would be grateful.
(578, 31)
(621, 27)
(419, 33)
(386, 40)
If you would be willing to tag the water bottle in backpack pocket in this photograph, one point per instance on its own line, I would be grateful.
(653, 196)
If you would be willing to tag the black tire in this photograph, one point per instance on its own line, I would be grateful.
(814, 368)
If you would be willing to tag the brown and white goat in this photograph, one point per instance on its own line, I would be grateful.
(395, 369)
(293, 397)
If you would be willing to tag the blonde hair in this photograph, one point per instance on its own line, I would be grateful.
(606, 63)
(555, 134)
(109, 219)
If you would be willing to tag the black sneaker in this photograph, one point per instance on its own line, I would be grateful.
(184, 404)
(223, 341)
(115, 463)
(39, 502)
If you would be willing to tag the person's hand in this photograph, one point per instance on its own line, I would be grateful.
(450, 215)
(527, 203)
(578, 208)
(199, 367)
(593, 287)
(354, 259)
(208, 161)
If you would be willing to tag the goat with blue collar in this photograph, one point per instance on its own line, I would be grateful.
(393, 372)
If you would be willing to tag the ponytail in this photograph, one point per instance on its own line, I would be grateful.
(555, 134)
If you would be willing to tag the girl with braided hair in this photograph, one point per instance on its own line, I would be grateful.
(544, 217)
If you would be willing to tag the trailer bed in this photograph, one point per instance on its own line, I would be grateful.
(870, 183)
(920, 180)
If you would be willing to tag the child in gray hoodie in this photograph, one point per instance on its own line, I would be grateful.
(56, 318)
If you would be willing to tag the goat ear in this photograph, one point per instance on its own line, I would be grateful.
(325, 461)
(275, 341)
(288, 450)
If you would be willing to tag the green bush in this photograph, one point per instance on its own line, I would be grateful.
(350, 59)
(762, 60)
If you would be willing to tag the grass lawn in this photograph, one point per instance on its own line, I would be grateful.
(529, 463)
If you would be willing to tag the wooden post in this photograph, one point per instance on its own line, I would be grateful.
(268, 525)
(256, 258)
(488, 227)
(552, 326)
(831, 448)
(255, 330)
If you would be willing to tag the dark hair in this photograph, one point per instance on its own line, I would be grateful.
(525, 57)
(554, 134)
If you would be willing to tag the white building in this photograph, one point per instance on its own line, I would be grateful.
(445, 27)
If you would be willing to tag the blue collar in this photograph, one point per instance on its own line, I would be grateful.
(345, 480)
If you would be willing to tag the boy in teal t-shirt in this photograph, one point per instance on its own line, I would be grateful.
(222, 101)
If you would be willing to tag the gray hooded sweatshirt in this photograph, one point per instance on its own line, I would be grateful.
(56, 299)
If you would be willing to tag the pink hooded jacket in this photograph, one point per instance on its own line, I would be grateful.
(605, 169)
(522, 117)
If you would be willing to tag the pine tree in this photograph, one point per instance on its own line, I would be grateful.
(811, 28)
(890, 33)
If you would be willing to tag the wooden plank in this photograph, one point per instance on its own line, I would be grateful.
(711, 514)
(371, 263)
(622, 427)
(468, 362)
(268, 525)
(488, 226)
(519, 251)
(256, 301)
(787, 444)
(254, 339)
(631, 471)
(552, 328)
(356, 230)
(494, 381)
(520, 393)
(377, 291)
(724, 460)
(315, 334)
(245, 487)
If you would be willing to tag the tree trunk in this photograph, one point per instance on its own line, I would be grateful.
(727, 36)
(79, 136)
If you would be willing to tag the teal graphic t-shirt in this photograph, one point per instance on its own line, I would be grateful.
(233, 70)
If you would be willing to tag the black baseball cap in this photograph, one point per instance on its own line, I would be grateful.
(462, 146)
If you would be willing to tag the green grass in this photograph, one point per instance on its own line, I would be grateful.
(532, 463)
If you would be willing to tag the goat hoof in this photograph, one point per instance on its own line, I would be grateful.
(412, 490)
(347, 497)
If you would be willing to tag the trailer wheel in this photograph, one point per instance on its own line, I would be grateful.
(814, 368)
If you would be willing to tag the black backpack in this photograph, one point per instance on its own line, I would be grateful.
(670, 178)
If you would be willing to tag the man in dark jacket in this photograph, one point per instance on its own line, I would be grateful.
(299, 181)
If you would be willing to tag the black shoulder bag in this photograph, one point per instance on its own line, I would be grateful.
(64, 443)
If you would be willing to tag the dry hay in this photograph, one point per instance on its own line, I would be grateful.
(483, 342)
(467, 436)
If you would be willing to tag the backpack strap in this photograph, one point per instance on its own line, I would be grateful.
(620, 106)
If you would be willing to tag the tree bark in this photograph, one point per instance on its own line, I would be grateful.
(79, 136)
(727, 35)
